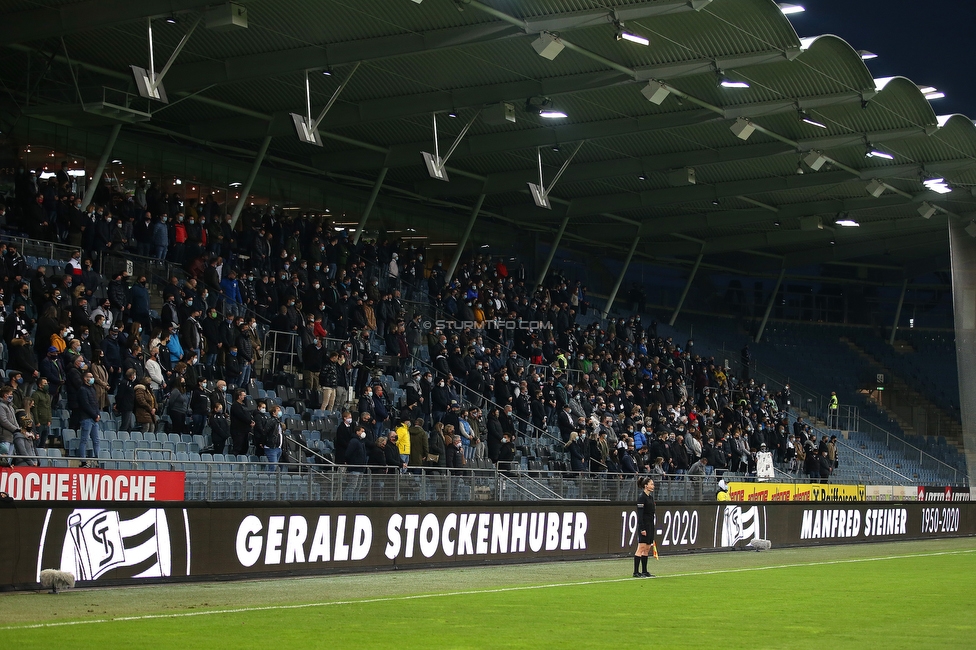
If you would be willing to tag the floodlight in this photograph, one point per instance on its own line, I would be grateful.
(847, 223)
(805, 117)
(743, 128)
(499, 114)
(681, 177)
(937, 185)
(875, 188)
(866, 55)
(873, 152)
(725, 82)
(435, 167)
(551, 114)
(655, 92)
(790, 9)
(926, 210)
(815, 160)
(145, 86)
(633, 38)
(547, 46)
(811, 223)
(539, 196)
(305, 131)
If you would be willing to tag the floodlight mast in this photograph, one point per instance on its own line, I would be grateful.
(154, 79)
(332, 100)
(540, 193)
(555, 178)
(435, 164)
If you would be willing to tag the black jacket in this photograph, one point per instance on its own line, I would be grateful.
(356, 453)
(87, 402)
(240, 419)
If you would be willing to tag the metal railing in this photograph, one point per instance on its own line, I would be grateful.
(848, 418)
(257, 480)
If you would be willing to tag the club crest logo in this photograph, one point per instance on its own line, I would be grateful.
(94, 543)
(736, 524)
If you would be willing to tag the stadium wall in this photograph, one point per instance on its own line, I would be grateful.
(105, 543)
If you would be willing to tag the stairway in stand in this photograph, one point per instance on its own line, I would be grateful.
(902, 402)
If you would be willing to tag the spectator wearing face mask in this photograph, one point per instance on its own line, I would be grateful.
(139, 301)
(89, 419)
(344, 433)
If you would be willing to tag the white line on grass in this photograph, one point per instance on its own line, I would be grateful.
(472, 592)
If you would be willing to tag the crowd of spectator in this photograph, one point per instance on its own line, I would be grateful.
(487, 361)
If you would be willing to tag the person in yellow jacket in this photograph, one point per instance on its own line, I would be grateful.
(723, 491)
(833, 410)
(403, 438)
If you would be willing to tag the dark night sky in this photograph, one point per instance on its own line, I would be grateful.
(929, 42)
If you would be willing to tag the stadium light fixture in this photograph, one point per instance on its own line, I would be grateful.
(874, 152)
(875, 188)
(926, 210)
(743, 128)
(815, 160)
(866, 55)
(725, 82)
(543, 108)
(789, 9)
(805, 117)
(327, 72)
(931, 93)
(116, 161)
(971, 229)
(236, 184)
(624, 35)
(655, 92)
(547, 45)
(847, 223)
(937, 185)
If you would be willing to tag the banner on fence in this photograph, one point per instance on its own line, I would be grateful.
(795, 492)
(67, 484)
(114, 543)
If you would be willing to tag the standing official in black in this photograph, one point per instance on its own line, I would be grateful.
(645, 516)
(241, 423)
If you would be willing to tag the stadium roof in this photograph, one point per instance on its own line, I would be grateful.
(812, 106)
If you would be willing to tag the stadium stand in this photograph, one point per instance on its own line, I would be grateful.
(143, 291)
(393, 324)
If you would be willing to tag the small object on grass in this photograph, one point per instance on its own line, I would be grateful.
(57, 580)
(760, 545)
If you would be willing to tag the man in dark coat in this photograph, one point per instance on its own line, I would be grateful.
(241, 423)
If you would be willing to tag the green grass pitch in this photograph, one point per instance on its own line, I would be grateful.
(900, 595)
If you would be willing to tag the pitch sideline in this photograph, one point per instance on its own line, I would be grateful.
(471, 592)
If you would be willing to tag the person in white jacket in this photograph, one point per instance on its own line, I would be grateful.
(155, 371)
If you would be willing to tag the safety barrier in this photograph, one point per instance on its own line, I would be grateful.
(102, 543)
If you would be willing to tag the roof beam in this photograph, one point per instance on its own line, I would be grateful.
(790, 237)
(622, 201)
(922, 244)
(407, 154)
(593, 205)
(352, 114)
(193, 76)
(726, 218)
(514, 181)
(37, 24)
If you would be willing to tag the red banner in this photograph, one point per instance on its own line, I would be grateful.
(63, 484)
